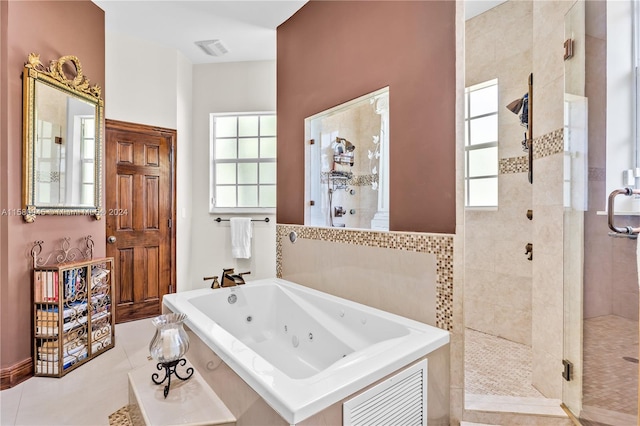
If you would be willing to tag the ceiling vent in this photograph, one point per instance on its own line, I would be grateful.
(212, 47)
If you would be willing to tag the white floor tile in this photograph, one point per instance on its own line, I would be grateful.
(85, 396)
(9, 404)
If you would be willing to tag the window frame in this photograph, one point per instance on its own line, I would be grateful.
(213, 161)
(469, 147)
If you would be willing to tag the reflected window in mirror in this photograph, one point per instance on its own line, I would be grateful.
(481, 145)
(347, 164)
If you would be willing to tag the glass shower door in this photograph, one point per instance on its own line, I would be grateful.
(601, 297)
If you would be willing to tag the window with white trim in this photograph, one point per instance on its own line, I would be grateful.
(243, 163)
(481, 145)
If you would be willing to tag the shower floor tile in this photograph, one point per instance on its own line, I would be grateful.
(496, 366)
(609, 380)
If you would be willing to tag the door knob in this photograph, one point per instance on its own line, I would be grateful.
(111, 239)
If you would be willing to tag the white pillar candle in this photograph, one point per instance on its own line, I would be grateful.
(170, 343)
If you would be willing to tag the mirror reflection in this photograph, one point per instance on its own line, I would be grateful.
(64, 150)
(347, 165)
(62, 140)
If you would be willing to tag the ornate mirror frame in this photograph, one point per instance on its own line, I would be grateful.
(58, 76)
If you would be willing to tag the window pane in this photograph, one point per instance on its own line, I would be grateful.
(466, 133)
(226, 148)
(247, 173)
(247, 196)
(483, 101)
(248, 148)
(248, 125)
(225, 174)
(88, 149)
(268, 125)
(47, 129)
(225, 127)
(225, 196)
(87, 195)
(268, 196)
(267, 173)
(483, 192)
(466, 103)
(87, 172)
(267, 147)
(483, 162)
(89, 128)
(484, 129)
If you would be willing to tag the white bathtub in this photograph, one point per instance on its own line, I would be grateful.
(302, 350)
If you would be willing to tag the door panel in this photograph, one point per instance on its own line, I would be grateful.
(140, 170)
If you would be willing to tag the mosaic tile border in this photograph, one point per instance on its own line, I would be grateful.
(544, 146)
(549, 144)
(439, 245)
(355, 180)
(513, 165)
(597, 174)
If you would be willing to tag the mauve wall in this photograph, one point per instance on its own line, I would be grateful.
(332, 51)
(51, 29)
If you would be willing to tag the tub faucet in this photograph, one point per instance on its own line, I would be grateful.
(230, 279)
(215, 283)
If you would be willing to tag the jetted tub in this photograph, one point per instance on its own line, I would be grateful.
(300, 349)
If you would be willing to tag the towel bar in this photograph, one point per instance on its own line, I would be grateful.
(266, 219)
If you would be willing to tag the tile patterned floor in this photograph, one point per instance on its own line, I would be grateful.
(610, 381)
(496, 366)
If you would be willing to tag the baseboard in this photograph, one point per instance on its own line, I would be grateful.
(17, 373)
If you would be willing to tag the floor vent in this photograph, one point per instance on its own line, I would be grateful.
(399, 400)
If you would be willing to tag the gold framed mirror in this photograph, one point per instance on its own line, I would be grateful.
(62, 140)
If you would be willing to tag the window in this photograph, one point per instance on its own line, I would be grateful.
(243, 163)
(481, 145)
(87, 153)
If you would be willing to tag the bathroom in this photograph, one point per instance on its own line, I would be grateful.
(430, 196)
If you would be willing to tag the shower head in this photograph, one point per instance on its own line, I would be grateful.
(516, 106)
(348, 146)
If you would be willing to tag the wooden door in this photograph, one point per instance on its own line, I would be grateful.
(140, 212)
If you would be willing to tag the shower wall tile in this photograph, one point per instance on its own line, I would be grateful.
(598, 267)
(548, 180)
(480, 315)
(511, 260)
(625, 304)
(514, 324)
(517, 292)
(548, 33)
(547, 229)
(544, 368)
(548, 104)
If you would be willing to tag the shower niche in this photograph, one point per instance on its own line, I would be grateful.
(347, 164)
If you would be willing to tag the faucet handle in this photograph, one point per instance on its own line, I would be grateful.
(244, 273)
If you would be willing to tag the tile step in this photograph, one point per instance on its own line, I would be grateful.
(189, 402)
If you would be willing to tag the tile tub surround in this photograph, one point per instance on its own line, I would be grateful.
(372, 268)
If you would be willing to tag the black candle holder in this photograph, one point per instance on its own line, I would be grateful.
(169, 369)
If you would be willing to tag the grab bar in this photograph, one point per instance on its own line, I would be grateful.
(627, 230)
(266, 219)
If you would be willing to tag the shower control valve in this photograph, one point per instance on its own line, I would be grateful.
(339, 211)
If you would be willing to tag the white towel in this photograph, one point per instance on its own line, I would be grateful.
(240, 237)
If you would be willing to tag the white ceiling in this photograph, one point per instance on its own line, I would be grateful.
(247, 28)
